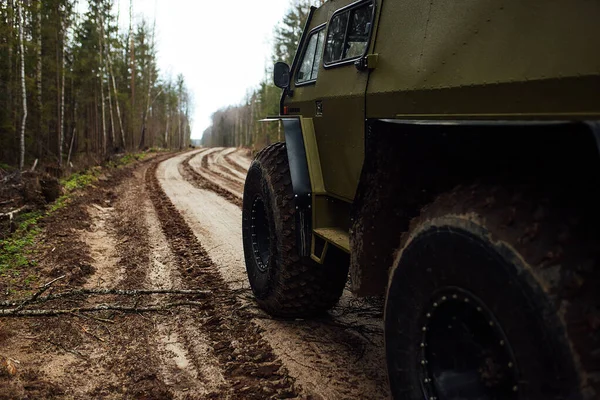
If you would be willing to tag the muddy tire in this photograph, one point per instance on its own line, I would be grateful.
(493, 296)
(284, 284)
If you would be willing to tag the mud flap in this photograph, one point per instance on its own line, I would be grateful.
(300, 183)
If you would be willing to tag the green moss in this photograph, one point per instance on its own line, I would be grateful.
(78, 180)
(13, 250)
(6, 167)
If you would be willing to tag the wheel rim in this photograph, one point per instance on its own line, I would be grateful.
(464, 352)
(260, 235)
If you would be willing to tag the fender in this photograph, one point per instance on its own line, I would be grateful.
(408, 163)
(301, 183)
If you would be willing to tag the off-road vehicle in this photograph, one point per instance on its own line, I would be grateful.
(445, 153)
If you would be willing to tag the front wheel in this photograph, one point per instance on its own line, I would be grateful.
(284, 284)
(477, 306)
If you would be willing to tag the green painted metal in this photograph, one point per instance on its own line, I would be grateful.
(444, 60)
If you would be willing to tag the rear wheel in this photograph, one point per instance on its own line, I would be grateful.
(283, 283)
(479, 305)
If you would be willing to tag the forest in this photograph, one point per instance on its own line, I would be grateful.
(77, 89)
(239, 125)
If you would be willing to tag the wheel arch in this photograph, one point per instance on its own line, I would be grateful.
(409, 163)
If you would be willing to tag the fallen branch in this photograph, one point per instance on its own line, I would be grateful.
(102, 292)
(60, 346)
(11, 214)
(38, 293)
(84, 329)
(13, 312)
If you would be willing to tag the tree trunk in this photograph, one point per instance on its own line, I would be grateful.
(103, 151)
(114, 85)
(24, 89)
(166, 143)
(132, 55)
(112, 121)
(39, 74)
(179, 120)
(9, 83)
(61, 136)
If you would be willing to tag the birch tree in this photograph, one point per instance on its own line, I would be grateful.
(23, 87)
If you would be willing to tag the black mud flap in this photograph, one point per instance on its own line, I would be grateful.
(300, 183)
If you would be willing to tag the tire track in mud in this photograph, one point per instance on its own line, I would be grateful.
(223, 164)
(211, 166)
(337, 356)
(199, 181)
(205, 164)
(231, 160)
(249, 364)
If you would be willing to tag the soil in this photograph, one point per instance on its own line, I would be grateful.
(173, 221)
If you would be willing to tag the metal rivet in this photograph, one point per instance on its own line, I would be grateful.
(491, 323)
(424, 329)
(454, 296)
(443, 297)
(510, 365)
(428, 315)
(478, 308)
(295, 195)
(423, 362)
(502, 343)
(466, 300)
(515, 388)
(422, 344)
(435, 304)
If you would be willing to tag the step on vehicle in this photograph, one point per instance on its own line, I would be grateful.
(445, 154)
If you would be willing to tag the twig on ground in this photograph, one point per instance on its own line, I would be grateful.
(13, 312)
(38, 293)
(101, 292)
(86, 330)
(110, 321)
(60, 346)
(12, 213)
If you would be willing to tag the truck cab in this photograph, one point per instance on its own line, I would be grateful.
(443, 155)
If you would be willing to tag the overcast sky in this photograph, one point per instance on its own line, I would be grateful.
(221, 47)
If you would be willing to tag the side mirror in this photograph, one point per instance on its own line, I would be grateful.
(281, 75)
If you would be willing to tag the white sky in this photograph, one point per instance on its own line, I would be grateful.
(220, 46)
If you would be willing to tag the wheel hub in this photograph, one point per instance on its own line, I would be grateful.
(260, 234)
(464, 353)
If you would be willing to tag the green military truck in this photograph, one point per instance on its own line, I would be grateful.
(445, 154)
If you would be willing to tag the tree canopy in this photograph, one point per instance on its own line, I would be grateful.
(81, 89)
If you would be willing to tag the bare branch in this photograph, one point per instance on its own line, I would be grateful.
(13, 312)
(102, 292)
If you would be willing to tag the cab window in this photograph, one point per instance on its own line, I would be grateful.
(309, 66)
(348, 34)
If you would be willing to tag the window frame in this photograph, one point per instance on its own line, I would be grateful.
(313, 31)
(349, 7)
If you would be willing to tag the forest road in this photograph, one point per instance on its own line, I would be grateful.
(339, 356)
(174, 221)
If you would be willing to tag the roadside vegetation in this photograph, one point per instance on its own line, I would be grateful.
(17, 248)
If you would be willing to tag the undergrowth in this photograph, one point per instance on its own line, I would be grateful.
(16, 251)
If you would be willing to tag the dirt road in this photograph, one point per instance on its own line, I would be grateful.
(175, 222)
